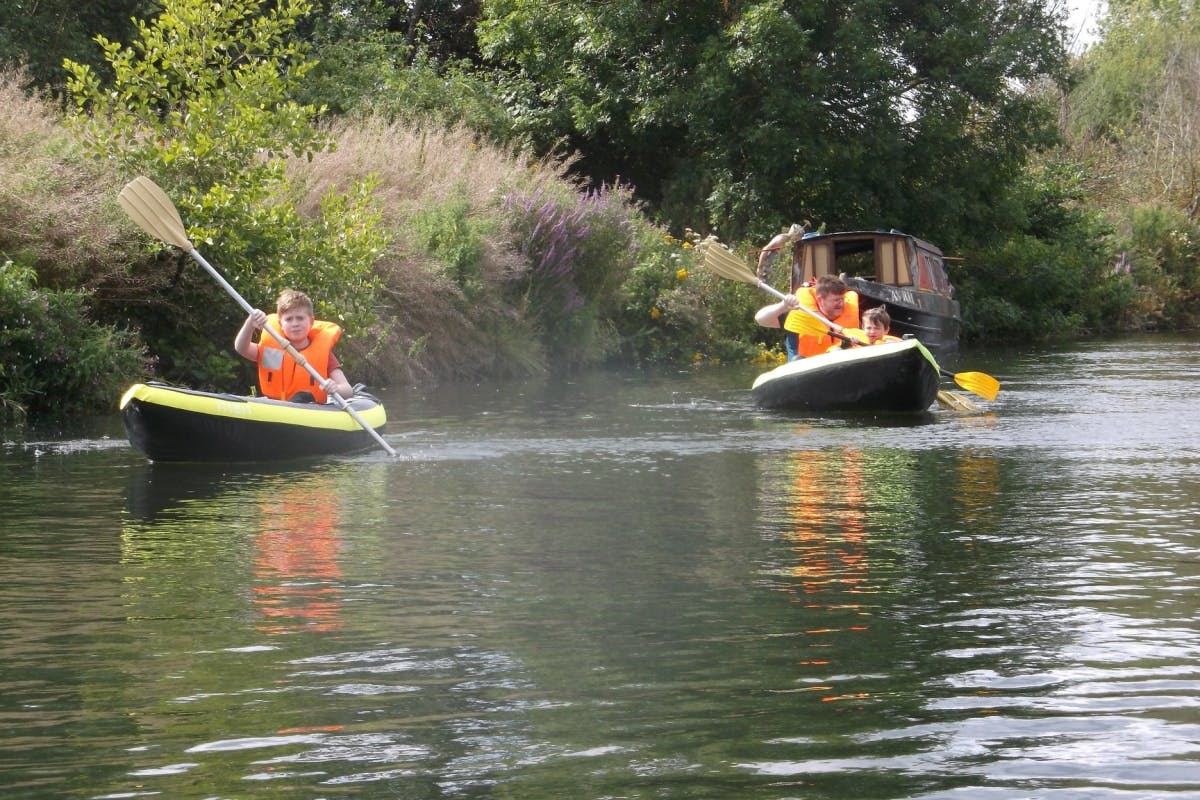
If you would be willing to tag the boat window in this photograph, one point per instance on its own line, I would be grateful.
(903, 275)
(925, 279)
(857, 264)
(904, 262)
(887, 262)
(940, 280)
(813, 259)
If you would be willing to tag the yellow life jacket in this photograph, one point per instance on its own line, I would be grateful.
(811, 345)
(279, 376)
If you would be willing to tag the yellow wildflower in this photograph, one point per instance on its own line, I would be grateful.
(655, 313)
(681, 274)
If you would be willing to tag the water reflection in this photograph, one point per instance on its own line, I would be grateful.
(298, 578)
(600, 593)
(827, 504)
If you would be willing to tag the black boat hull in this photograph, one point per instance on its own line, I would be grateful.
(171, 424)
(896, 377)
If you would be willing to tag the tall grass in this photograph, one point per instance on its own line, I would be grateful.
(56, 211)
(439, 317)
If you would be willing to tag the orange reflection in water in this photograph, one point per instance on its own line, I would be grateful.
(297, 560)
(826, 501)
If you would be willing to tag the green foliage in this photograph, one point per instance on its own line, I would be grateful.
(450, 233)
(1163, 258)
(56, 360)
(1050, 277)
(672, 310)
(202, 96)
(1119, 80)
(1132, 117)
(269, 247)
(202, 103)
(661, 317)
(39, 35)
(759, 112)
(580, 247)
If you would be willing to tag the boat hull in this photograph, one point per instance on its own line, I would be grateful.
(895, 377)
(171, 424)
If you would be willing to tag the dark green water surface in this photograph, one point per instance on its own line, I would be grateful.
(626, 585)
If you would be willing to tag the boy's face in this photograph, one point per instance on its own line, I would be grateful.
(874, 330)
(296, 323)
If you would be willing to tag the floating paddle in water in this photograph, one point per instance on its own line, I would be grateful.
(148, 206)
(722, 261)
(955, 401)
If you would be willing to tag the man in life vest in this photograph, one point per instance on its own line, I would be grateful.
(829, 297)
(279, 375)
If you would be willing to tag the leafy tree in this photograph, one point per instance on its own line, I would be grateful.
(1134, 117)
(1138, 94)
(445, 30)
(202, 103)
(858, 112)
(1049, 277)
(40, 33)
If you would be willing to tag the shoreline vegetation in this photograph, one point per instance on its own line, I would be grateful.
(445, 254)
(480, 263)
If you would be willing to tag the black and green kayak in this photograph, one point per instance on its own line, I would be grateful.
(894, 377)
(167, 423)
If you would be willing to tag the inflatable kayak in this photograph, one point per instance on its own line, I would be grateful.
(894, 377)
(171, 424)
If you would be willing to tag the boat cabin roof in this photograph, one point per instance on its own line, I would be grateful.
(888, 257)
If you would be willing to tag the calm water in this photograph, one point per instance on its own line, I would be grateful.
(629, 586)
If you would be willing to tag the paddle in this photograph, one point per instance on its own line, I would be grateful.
(723, 262)
(153, 211)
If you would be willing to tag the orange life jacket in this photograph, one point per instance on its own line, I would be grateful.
(279, 376)
(810, 345)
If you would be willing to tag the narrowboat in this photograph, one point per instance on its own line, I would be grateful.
(905, 274)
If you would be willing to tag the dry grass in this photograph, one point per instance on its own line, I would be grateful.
(426, 329)
(58, 214)
(57, 210)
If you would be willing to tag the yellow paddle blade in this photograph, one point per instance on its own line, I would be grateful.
(804, 324)
(153, 211)
(857, 334)
(980, 383)
(725, 263)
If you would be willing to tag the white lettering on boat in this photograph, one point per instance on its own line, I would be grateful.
(228, 409)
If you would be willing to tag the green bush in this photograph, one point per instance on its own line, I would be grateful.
(56, 361)
(202, 103)
(450, 233)
(580, 248)
(1163, 258)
